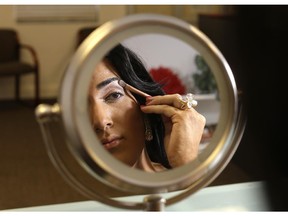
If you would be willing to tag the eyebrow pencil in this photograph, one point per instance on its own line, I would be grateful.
(132, 89)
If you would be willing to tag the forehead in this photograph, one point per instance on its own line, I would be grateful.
(103, 71)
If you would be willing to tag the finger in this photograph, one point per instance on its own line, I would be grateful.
(172, 100)
(165, 110)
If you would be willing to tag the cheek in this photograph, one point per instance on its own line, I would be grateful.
(131, 115)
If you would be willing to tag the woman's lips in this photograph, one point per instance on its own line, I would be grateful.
(113, 143)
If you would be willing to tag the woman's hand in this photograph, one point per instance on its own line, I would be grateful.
(183, 128)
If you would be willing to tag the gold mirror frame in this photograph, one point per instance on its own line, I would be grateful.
(100, 166)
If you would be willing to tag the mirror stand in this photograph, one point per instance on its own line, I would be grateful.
(89, 168)
(154, 203)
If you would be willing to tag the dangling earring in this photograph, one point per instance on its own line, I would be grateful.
(148, 130)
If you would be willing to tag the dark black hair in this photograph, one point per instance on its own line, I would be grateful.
(132, 70)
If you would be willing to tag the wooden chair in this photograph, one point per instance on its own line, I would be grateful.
(11, 63)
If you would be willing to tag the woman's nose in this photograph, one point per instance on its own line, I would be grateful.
(101, 117)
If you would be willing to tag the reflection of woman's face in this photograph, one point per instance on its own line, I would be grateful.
(116, 116)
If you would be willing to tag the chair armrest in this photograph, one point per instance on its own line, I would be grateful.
(32, 52)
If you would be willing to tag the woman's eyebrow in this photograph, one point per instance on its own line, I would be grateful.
(106, 82)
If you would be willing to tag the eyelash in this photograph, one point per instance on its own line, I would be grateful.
(113, 94)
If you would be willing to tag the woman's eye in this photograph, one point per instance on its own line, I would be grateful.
(113, 96)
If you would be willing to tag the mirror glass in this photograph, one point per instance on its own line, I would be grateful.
(179, 69)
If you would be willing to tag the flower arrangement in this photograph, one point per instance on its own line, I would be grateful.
(169, 80)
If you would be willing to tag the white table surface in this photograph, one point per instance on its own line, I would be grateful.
(241, 197)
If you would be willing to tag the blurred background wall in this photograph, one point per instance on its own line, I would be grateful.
(55, 41)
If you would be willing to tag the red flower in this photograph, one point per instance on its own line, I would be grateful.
(170, 82)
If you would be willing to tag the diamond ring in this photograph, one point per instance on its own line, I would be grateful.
(187, 101)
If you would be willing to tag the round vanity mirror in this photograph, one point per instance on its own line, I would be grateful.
(81, 157)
